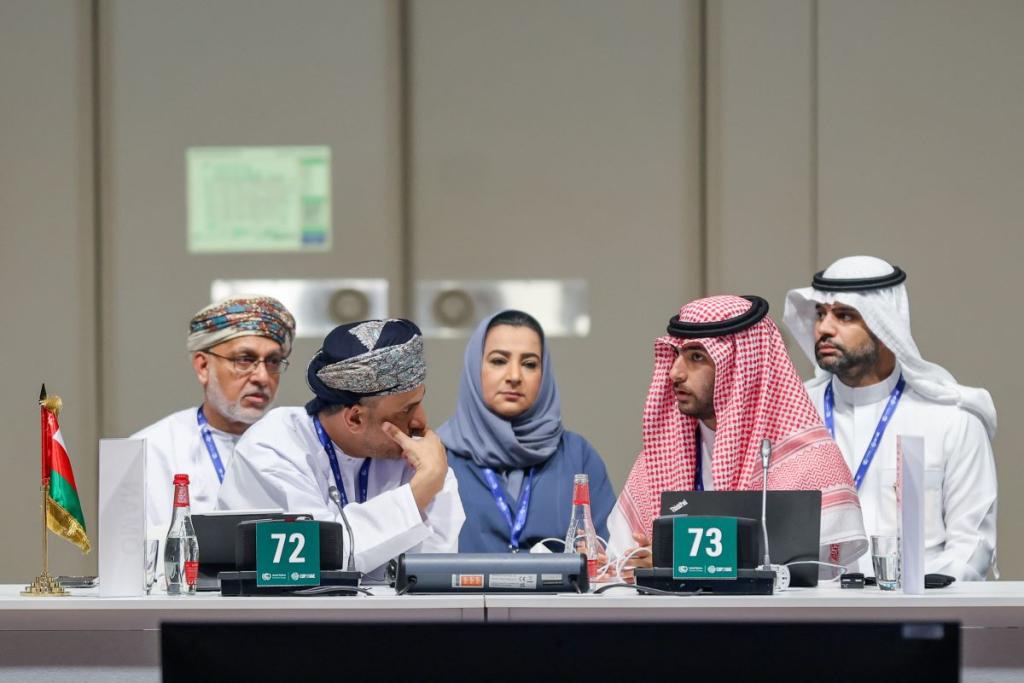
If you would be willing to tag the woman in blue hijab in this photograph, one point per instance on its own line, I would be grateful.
(506, 445)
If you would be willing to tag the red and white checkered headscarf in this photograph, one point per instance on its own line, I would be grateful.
(757, 395)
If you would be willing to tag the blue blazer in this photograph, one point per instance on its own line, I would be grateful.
(485, 529)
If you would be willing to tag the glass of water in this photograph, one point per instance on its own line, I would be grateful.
(152, 553)
(885, 556)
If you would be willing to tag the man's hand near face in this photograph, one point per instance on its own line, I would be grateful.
(427, 456)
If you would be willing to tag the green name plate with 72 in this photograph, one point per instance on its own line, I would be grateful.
(288, 553)
(704, 548)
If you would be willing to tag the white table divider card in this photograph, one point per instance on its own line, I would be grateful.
(122, 517)
(910, 510)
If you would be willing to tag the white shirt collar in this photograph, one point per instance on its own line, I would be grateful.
(862, 396)
(707, 435)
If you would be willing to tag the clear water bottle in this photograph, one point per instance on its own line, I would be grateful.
(181, 552)
(581, 536)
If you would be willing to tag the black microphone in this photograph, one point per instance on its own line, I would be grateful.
(336, 497)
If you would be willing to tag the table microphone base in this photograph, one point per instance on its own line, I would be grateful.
(747, 582)
(244, 583)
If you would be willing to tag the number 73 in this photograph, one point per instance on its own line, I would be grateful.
(714, 536)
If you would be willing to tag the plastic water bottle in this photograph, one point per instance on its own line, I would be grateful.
(581, 537)
(181, 552)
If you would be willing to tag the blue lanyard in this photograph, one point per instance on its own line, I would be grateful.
(869, 454)
(515, 527)
(211, 447)
(364, 471)
(698, 479)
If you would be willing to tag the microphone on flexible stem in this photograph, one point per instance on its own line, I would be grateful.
(781, 571)
(336, 497)
(766, 456)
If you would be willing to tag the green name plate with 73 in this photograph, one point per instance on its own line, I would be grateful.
(288, 553)
(704, 548)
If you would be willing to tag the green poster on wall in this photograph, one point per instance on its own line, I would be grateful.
(245, 199)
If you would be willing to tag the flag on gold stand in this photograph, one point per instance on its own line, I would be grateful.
(63, 508)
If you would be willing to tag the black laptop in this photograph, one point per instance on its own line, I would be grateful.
(794, 522)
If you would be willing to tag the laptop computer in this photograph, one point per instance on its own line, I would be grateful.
(793, 517)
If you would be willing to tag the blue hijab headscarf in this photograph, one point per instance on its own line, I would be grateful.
(491, 441)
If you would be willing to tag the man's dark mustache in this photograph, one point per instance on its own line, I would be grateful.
(831, 342)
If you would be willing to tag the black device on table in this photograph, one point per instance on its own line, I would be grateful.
(749, 580)
(334, 579)
(858, 580)
(215, 533)
(793, 521)
(469, 573)
(227, 553)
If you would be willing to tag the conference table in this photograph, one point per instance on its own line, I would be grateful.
(85, 637)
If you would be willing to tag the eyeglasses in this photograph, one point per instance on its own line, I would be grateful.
(246, 365)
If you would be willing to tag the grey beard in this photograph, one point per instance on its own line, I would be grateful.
(232, 411)
(850, 367)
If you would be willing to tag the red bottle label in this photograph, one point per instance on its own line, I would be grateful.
(191, 572)
(581, 494)
(180, 496)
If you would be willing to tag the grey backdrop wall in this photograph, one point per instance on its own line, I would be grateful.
(659, 150)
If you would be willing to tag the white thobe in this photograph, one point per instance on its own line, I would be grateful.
(175, 446)
(280, 463)
(960, 473)
(620, 535)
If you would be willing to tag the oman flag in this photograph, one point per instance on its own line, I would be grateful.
(63, 509)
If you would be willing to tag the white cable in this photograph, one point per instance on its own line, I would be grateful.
(603, 569)
(560, 541)
(627, 556)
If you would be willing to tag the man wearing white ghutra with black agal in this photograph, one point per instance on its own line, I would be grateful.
(871, 385)
(364, 434)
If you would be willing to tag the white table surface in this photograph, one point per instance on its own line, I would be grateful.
(973, 604)
(85, 610)
(88, 638)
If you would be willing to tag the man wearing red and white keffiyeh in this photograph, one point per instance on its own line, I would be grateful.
(757, 395)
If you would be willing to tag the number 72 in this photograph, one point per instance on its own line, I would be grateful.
(298, 539)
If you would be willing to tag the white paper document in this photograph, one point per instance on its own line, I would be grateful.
(122, 517)
(910, 503)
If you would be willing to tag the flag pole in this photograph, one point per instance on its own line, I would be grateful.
(44, 584)
(46, 541)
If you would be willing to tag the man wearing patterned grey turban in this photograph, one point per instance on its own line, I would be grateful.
(361, 443)
(239, 349)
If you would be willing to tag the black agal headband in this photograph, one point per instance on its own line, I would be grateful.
(753, 315)
(825, 284)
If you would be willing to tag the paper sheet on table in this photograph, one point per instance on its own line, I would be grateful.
(910, 509)
(122, 517)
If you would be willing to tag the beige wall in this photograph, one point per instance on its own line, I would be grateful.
(47, 267)
(890, 129)
(542, 148)
(232, 72)
(821, 128)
